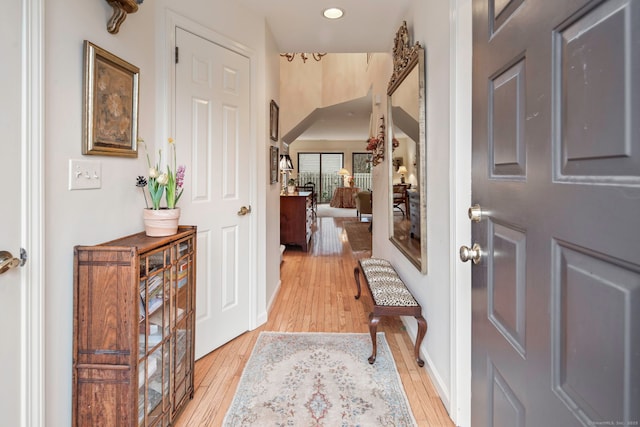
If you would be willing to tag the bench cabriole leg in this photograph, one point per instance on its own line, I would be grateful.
(356, 275)
(422, 330)
(373, 327)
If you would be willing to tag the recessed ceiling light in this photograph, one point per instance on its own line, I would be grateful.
(333, 13)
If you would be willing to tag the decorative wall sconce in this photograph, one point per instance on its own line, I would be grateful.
(120, 10)
(303, 55)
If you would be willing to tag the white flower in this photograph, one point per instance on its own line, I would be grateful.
(163, 179)
(153, 173)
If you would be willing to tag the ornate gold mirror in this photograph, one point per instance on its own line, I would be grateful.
(406, 153)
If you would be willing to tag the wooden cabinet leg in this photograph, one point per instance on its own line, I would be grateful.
(373, 327)
(422, 330)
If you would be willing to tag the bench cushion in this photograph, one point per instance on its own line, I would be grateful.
(386, 287)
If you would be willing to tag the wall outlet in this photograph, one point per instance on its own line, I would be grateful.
(84, 174)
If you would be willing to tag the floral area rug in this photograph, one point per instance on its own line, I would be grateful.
(319, 379)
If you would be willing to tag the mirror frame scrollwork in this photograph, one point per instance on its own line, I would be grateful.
(406, 58)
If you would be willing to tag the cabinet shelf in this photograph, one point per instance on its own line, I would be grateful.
(134, 319)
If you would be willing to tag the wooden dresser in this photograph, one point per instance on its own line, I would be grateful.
(414, 212)
(296, 216)
(133, 330)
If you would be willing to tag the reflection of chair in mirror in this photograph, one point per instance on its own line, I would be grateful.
(400, 197)
(363, 203)
(310, 186)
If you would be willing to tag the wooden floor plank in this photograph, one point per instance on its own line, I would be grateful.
(316, 294)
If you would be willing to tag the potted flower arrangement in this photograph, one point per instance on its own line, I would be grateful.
(162, 221)
(291, 185)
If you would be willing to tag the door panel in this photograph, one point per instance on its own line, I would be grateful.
(212, 130)
(556, 169)
(583, 279)
(10, 212)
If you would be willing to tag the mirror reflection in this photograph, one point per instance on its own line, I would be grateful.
(406, 112)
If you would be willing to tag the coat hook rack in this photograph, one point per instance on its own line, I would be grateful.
(120, 10)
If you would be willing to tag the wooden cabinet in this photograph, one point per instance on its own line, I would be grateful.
(296, 217)
(133, 330)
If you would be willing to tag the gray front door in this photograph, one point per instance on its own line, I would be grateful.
(556, 171)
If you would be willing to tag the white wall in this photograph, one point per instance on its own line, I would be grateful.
(272, 207)
(93, 216)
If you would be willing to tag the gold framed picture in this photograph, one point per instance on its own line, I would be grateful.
(110, 123)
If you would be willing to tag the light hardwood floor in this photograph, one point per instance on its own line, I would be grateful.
(316, 295)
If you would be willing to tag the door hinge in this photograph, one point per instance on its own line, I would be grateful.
(176, 54)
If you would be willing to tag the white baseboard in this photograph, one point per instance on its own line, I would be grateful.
(273, 297)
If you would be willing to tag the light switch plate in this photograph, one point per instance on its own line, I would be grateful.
(85, 174)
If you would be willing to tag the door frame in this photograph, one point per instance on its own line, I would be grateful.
(32, 234)
(461, 49)
(165, 108)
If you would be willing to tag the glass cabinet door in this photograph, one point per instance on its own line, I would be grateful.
(153, 331)
(182, 346)
(165, 331)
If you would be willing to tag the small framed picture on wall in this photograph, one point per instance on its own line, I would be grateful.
(273, 162)
(273, 120)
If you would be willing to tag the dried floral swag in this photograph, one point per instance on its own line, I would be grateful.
(375, 144)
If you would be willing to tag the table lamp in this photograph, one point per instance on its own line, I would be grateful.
(345, 174)
(286, 165)
(402, 170)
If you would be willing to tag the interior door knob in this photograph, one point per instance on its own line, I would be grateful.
(471, 253)
(244, 210)
(8, 261)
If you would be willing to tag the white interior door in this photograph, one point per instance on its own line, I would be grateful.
(10, 212)
(213, 131)
(556, 171)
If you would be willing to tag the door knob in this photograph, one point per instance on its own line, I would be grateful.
(7, 261)
(471, 253)
(244, 210)
(475, 213)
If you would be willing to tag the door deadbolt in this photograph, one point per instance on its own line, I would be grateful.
(471, 253)
(475, 213)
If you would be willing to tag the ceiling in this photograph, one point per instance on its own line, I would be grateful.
(367, 26)
(298, 25)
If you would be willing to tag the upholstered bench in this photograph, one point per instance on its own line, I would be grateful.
(390, 298)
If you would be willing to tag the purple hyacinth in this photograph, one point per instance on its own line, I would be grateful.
(180, 176)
